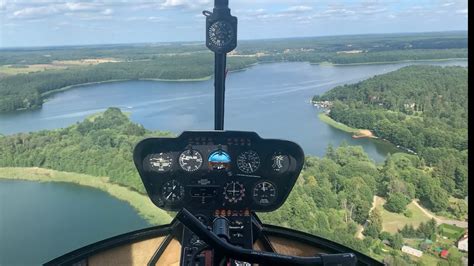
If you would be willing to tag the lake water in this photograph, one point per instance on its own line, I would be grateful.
(41, 221)
(271, 99)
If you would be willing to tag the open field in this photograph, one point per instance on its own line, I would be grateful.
(357, 133)
(9, 70)
(394, 221)
(328, 120)
(141, 203)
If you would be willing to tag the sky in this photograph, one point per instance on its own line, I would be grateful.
(26, 23)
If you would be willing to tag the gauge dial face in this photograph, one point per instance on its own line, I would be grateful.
(248, 162)
(160, 162)
(190, 160)
(264, 193)
(172, 191)
(221, 33)
(280, 163)
(234, 192)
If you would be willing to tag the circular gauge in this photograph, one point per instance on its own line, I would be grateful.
(234, 192)
(221, 33)
(248, 162)
(219, 160)
(280, 163)
(190, 160)
(172, 191)
(160, 162)
(264, 193)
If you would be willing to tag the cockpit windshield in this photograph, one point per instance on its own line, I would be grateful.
(342, 120)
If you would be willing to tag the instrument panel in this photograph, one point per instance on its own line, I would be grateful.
(212, 170)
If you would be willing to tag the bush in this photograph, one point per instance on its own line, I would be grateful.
(397, 202)
(408, 213)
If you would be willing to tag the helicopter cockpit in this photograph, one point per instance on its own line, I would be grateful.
(226, 175)
(216, 181)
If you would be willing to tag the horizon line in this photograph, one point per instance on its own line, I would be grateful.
(203, 41)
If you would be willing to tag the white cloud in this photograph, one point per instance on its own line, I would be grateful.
(462, 11)
(107, 11)
(39, 11)
(299, 8)
(193, 4)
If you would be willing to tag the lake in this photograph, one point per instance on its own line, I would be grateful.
(271, 99)
(39, 221)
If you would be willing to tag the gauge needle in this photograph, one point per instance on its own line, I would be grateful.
(169, 195)
(250, 165)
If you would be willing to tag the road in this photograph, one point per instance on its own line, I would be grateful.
(438, 220)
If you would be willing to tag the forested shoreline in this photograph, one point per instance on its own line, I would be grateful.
(177, 61)
(332, 197)
(420, 108)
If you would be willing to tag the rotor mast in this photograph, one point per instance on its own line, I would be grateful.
(221, 38)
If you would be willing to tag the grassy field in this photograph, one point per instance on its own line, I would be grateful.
(394, 221)
(145, 208)
(9, 70)
(328, 120)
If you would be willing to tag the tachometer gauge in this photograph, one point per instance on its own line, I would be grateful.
(160, 162)
(172, 191)
(248, 162)
(264, 193)
(190, 160)
(234, 192)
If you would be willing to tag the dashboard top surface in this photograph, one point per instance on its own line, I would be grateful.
(212, 170)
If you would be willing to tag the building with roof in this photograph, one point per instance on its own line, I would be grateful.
(412, 251)
(444, 254)
(462, 243)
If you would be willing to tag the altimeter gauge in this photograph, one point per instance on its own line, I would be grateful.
(172, 191)
(160, 162)
(248, 162)
(234, 192)
(190, 160)
(264, 193)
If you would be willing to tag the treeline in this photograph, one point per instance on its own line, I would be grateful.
(193, 60)
(331, 198)
(423, 109)
(325, 44)
(25, 91)
(100, 146)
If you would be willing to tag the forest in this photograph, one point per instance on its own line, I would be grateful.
(331, 199)
(424, 110)
(175, 61)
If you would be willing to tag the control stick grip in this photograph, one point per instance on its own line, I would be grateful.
(249, 255)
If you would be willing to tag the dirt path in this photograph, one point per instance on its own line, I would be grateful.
(438, 220)
(361, 228)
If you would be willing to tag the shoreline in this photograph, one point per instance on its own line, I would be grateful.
(141, 203)
(46, 95)
(325, 63)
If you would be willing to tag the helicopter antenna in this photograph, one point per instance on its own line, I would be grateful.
(221, 38)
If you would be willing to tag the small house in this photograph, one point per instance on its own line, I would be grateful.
(462, 243)
(444, 254)
(412, 251)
